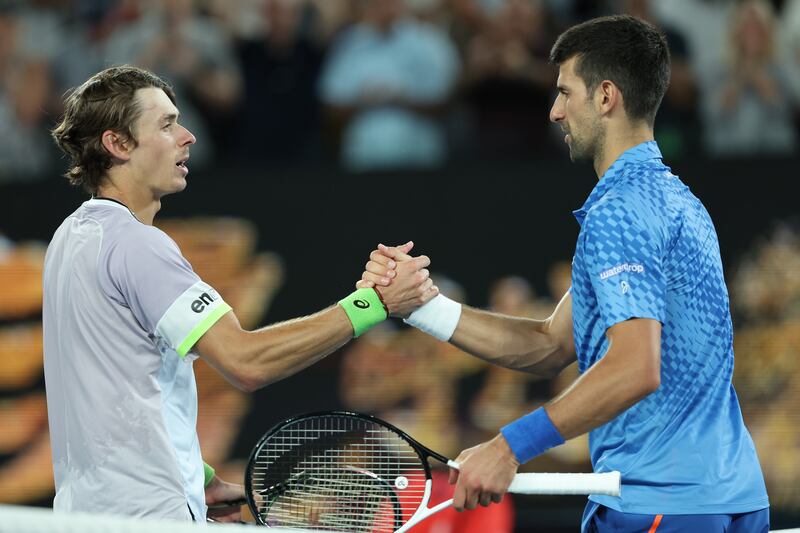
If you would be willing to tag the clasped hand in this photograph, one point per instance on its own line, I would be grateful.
(402, 281)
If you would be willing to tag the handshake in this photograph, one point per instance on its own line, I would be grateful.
(402, 282)
(397, 284)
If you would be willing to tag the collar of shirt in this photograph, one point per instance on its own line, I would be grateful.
(639, 153)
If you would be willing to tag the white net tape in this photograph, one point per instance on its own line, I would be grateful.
(16, 519)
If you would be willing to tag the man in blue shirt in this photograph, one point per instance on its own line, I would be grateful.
(647, 318)
(387, 77)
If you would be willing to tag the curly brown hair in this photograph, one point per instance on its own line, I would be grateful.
(106, 101)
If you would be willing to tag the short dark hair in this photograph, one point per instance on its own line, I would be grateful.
(106, 101)
(628, 51)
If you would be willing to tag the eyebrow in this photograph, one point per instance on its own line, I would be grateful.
(171, 117)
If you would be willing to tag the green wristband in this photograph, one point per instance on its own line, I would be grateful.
(365, 309)
(209, 472)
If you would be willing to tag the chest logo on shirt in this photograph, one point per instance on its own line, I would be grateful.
(625, 287)
(636, 268)
(199, 305)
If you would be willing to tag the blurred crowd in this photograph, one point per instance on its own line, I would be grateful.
(388, 84)
(765, 300)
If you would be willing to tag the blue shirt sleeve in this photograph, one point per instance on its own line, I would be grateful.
(624, 248)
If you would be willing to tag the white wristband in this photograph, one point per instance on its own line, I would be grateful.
(439, 317)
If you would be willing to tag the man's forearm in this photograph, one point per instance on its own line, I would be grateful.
(281, 350)
(253, 359)
(628, 372)
(518, 343)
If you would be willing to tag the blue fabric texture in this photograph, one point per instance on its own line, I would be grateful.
(648, 249)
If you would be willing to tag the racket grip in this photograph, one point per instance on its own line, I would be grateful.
(607, 483)
(228, 503)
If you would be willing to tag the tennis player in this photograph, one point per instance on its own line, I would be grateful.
(125, 316)
(647, 318)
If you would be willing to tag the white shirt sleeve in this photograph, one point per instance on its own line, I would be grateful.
(145, 272)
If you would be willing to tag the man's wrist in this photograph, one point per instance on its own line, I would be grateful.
(208, 473)
(531, 435)
(439, 317)
(501, 443)
(365, 309)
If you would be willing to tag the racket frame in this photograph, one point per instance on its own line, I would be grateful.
(422, 452)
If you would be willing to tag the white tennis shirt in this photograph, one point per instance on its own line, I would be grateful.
(122, 310)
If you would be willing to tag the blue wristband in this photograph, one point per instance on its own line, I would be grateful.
(531, 435)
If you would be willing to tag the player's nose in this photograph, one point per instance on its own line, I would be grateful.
(556, 112)
(188, 137)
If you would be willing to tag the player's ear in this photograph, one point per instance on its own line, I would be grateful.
(118, 146)
(607, 96)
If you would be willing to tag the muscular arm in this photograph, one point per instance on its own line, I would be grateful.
(541, 347)
(253, 359)
(629, 371)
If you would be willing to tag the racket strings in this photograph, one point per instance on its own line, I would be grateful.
(337, 473)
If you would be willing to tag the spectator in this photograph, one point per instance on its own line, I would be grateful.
(195, 54)
(25, 79)
(386, 81)
(82, 48)
(677, 123)
(748, 110)
(790, 37)
(704, 24)
(279, 117)
(509, 80)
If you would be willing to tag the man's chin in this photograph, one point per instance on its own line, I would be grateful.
(576, 155)
(176, 186)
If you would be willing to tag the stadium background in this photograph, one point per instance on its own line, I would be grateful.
(286, 198)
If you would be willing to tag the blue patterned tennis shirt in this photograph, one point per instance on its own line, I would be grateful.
(648, 249)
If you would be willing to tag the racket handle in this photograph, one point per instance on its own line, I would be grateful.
(607, 483)
(228, 503)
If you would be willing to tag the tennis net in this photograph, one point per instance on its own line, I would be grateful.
(18, 519)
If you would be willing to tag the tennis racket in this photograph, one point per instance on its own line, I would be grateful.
(341, 471)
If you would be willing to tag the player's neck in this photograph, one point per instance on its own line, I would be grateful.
(617, 142)
(141, 203)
